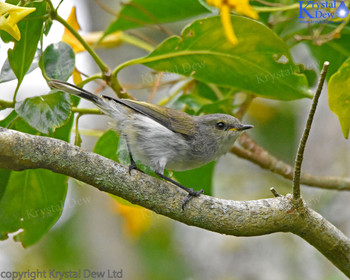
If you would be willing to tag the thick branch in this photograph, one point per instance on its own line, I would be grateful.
(20, 151)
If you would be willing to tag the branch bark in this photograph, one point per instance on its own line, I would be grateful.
(19, 151)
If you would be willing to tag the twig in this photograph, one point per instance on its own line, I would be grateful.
(266, 3)
(274, 192)
(77, 139)
(155, 87)
(300, 154)
(259, 156)
(141, 86)
(319, 39)
(149, 15)
(243, 108)
(106, 8)
(143, 37)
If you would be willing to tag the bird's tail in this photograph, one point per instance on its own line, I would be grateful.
(72, 89)
(113, 107)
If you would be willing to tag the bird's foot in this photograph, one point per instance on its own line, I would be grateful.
(133, 166)
(191, 194)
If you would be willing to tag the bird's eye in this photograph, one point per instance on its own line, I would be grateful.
(220, 125)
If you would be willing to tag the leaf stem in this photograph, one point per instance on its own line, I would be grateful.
(86, 111)
(106, 72)
(281, 8)
(90, 132)
(136, 42)
(267, 9)
(90, 79)
(126, 64)
(55, 16)
(16, 91)
(6, 104)
(300, 154)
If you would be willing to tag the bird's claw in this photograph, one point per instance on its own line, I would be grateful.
(133, 166)
(191, 194)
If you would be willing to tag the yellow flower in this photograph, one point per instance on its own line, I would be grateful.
(136, 219)
(227, 24)
(68, 37)
(10, 15)
(240, 6)
(92, 38)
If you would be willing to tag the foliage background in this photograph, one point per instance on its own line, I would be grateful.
(96, 233)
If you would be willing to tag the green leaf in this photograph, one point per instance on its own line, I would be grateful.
(205, 91)
(339, 96)
(310, 74)
(13, 121)
(58, 61)
(190, 103)
(138, 13)
(9, 119)
(47, 25)
(64, 132)
(260, 63)
(193, 97)
(46, 112)
(107, 145)
(8, 75)
(20, 125)
(199, 178)
(203, 99)
(33, 202)
(208, 7)
(224, 106)
(4, 178)
(22, 55)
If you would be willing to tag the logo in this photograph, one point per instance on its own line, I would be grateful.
(327, 11)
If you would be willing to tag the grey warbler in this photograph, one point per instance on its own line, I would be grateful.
(164, 138)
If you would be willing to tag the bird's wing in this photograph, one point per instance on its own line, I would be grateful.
(176, 121)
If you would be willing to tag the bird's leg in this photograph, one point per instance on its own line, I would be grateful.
(132, 163)
(191, 192)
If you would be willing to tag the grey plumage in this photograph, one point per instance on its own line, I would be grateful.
(163, 138)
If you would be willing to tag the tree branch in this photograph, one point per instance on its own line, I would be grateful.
(19, 151)
(251, 151)
(301, 148)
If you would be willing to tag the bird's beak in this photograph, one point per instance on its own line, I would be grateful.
(245, 127)
(241, 127)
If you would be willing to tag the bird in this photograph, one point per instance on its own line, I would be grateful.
(164, 138)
